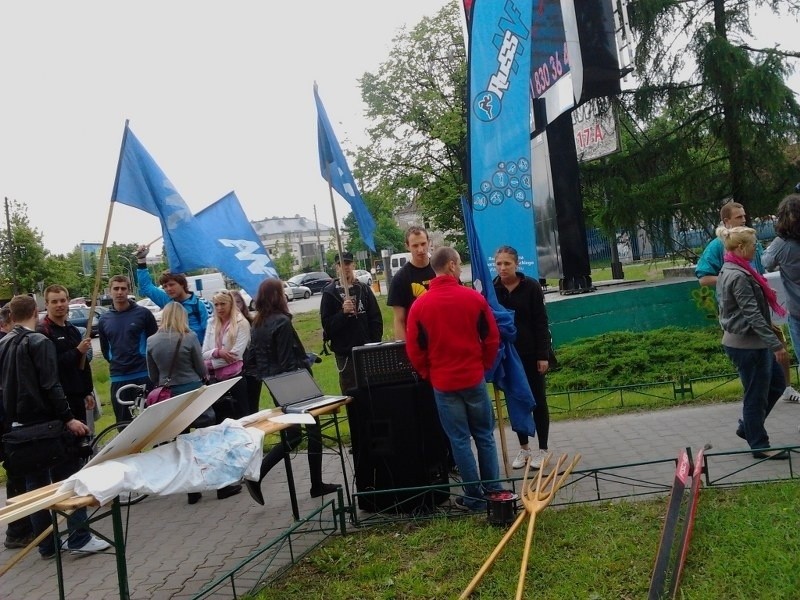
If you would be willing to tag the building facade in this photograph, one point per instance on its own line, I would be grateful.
(306, 240)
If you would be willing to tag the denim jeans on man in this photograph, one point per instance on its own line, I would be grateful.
(466, 414)
(763, 382)
(41, 520)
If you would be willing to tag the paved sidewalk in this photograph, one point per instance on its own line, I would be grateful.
(175, 549)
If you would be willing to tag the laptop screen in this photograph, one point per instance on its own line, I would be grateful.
(291, 387)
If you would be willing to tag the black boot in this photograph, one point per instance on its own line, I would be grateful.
(228, 491)
(322, 489)
(254, 487)
(194, 497)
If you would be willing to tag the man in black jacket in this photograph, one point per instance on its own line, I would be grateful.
(33, 394)
(72, 352)
(350, 322)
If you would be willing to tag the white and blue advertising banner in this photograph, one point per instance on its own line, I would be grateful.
(499, 135)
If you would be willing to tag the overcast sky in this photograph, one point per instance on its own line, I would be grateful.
(219, 93)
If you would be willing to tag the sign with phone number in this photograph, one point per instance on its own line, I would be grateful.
(549, 57)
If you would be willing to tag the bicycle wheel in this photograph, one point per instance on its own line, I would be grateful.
(99, 442)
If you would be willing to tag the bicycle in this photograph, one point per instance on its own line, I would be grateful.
(136, 406)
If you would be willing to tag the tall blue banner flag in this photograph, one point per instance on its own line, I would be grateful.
(142, 184)
(499, 129)
(508, 374)
(335, 171)
(233, 246)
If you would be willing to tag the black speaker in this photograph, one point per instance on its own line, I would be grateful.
(398, 442)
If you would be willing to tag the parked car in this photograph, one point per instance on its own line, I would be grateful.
(314, 281)
(79, 316)
(294, 291)
(152, 307)
(363, 276)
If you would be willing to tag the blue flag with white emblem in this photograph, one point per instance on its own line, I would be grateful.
(335, 171)
(142, 184)
(233, 246)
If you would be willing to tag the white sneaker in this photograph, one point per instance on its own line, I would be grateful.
(522, 457)
(94, 545)
(790, 395)
(537, 458)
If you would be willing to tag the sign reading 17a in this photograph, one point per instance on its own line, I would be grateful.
(546, 73)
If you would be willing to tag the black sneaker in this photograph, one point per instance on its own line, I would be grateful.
(18, 542)
(771, 454)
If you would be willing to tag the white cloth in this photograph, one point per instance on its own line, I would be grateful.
(203, 460)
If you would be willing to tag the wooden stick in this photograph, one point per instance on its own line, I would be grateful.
(502, 429)
(26, 550)
(23, 509)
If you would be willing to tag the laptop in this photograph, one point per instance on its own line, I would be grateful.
(297, 392)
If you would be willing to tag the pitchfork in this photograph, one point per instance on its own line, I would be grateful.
(535, 499)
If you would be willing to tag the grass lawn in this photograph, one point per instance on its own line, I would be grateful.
(745, 546)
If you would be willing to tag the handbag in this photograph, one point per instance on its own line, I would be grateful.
(37, 446)
(226, 372)
(164, 392)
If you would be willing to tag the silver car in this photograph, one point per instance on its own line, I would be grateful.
(294, 291)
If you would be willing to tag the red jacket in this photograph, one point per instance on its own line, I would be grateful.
(451, 335)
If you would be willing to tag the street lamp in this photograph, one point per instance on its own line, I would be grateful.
(131, 272)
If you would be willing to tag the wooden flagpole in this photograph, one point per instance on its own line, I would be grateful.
(501, 426)
(98, 276)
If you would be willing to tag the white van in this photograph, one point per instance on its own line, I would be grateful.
(206, 285)
(398, 260)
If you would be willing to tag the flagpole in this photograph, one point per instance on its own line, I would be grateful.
(502, 429)
(338, 237)
(98, 275)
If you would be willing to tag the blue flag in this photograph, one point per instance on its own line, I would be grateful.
(142, 184)
(499, 129)
(335, 171)
(507, 373)
(233, 246)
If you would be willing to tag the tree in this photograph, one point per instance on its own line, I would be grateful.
(416, 102)
(387, 233)
(25, 245)
(709, 121)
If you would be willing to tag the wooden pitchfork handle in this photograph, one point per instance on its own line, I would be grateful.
(536, 505)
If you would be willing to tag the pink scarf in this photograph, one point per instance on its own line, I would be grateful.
(769, 293)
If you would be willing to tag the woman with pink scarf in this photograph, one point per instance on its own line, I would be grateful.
(745, 300)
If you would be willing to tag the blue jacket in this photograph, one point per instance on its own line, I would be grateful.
(123, 341)
(194, 305)
(710, 262)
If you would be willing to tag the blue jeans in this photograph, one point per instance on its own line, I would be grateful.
(763, 382)
(41, 520)
(466, 414)
(794, 335)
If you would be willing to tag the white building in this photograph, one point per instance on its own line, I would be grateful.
(307, 240)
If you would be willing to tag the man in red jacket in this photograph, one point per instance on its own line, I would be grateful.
(452, 340)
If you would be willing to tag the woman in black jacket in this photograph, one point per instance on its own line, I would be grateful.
(275, 348)
(524, 296)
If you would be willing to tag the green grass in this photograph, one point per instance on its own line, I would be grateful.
(745, 546)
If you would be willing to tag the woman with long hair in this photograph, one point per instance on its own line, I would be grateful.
(174, 353)
(275, 348)
(784, 253)
(227, 337)
(174, 356)
(524, 296)
(745, 300)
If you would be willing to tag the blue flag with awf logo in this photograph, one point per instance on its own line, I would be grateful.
(335, 171)
(142, 184)
(233, 246)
